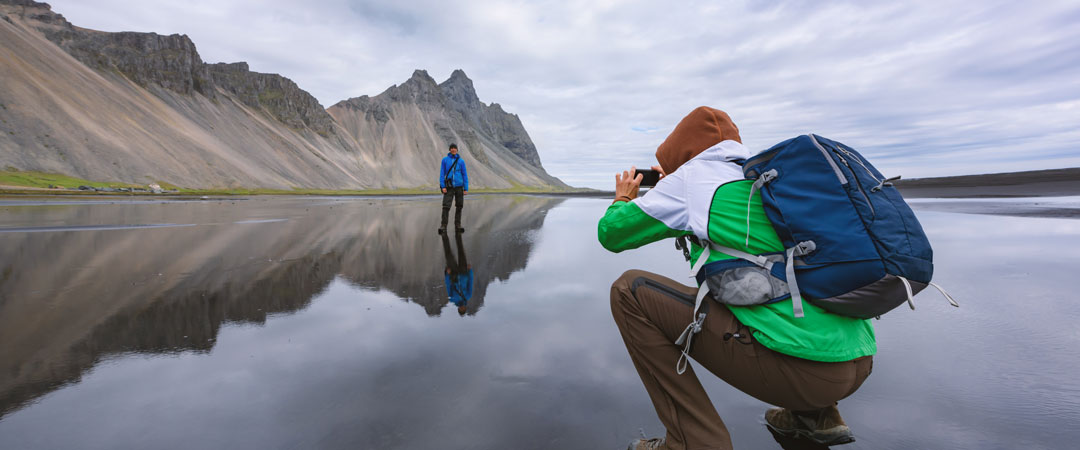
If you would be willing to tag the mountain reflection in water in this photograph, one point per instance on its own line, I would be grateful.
(69, 299)
(284, 323)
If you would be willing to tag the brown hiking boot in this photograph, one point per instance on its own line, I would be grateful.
(647, 444)
(824, 426)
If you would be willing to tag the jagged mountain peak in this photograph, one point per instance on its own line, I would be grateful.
(421, 76)
(420, 87)
(460, 91)
(458, 76)
(457, 115)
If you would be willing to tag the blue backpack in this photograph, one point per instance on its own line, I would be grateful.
(854, 247)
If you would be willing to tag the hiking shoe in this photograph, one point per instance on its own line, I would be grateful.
(824, 426)
(647, 444)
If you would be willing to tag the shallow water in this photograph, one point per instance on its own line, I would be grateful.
(326, 323)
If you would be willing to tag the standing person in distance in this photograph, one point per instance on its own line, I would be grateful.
(454, 181)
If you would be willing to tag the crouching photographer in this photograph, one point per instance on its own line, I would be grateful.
(802, 365)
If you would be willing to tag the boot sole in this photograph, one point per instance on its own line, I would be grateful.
(813, 437)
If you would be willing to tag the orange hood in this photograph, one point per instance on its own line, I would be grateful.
(703, 128)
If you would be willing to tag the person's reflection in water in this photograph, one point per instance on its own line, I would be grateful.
(459, 275)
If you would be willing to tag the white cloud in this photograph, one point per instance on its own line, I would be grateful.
(923, 88)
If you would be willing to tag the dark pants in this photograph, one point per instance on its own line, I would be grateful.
(651, 311)
(459, 265)
(453, 194)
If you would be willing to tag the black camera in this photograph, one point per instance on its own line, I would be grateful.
(649, 177)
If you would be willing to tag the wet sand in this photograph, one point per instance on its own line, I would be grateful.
(89, 273)
(1048, 207)
(299, 322)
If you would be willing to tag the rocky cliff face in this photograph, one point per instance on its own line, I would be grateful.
(419, 118)
(505, 128)
(146, 58)
(456, 94)
(172, 62)
(142, 107)
(280, 96)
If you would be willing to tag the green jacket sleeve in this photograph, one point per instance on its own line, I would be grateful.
(625, 226)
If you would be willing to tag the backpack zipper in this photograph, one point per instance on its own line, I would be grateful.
(764, 157)
(858, 160)
(857, 183)
(835, 168)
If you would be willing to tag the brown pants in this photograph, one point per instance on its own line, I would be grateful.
(651, 311)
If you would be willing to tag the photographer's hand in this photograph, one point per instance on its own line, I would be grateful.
(661, 170)
(626, 185)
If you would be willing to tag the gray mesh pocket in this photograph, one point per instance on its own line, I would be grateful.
(750, 285)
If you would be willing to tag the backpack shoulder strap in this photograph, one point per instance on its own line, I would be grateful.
(450, 171)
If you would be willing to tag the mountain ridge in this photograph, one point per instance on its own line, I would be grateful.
(151, 110)
(420, 113)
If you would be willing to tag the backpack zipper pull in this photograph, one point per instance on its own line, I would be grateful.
(885, 182)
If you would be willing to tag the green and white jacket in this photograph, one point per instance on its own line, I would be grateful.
(707, 197)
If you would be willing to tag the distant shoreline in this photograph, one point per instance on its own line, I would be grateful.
(15, 191)
(936, 190)
(1037, 183)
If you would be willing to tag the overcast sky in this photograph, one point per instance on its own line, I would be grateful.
(926, 88)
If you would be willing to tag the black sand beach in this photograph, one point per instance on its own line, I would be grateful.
(1036, 183)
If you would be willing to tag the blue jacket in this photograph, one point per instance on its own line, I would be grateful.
(457, 177)
(459, 290)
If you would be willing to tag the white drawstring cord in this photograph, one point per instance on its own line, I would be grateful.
(907, 288)
(946, 294)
